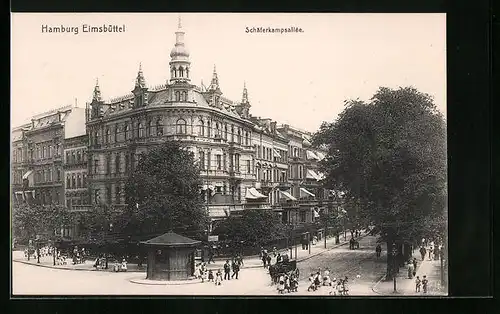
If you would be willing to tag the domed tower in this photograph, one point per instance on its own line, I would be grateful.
(179, 62)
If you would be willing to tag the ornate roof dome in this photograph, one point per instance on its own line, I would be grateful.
(179, 50)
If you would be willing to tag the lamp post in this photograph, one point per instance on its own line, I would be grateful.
(394, 254)
(441, 253)
(309, 241)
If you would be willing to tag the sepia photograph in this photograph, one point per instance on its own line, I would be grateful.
(224, 154)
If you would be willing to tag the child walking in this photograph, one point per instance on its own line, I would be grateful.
(424, 283)
(218, 278)
(210, 276)
(418, 282)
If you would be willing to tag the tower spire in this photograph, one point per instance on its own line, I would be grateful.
(140, 81)
(214, 84)
(179, 62)
(244, 99)
(97, 91)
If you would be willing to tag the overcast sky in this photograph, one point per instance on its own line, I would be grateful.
(296, 78)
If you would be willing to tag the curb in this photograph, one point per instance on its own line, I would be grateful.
(147, 282)
(77, 269)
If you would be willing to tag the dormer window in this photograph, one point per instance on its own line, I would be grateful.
(177, 96)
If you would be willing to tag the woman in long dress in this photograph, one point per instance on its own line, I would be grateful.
(281, 284)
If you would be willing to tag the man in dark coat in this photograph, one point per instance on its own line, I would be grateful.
(227, 270)
(422, 252)
(378, 250)
(236, 269)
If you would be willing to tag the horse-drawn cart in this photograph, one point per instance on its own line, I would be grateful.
(288, 267)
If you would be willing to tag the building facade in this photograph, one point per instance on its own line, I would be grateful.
(37, 153)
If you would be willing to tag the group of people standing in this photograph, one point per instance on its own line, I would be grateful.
(267, 260)
(235, 265)
(288, 282)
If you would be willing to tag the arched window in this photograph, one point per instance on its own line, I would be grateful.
(50, 152)
(232, 133)
(126, 132)
(187, 72)
(174, 72)
(78, 156)
(208, 129)
(149, 127)
(217, 131)
(73, 181)
(84, 180)
(184, 96)
(68, 182)
(225, 132)
(177, 96)
(239, 136)
(247, 139)
(159, 127)
(50, 175)
(202, 128)
(96, 137)
(117, 130)
(73, 157)
(181, 126)
(141, 130)
(78, 181)
(181, 71)
(44, 152)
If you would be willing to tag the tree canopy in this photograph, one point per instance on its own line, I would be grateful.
(255, 227)
(389, 155)
(31, 220)
(163, 193)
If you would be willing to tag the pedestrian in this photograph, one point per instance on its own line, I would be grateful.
(268, 259)
(410, 270)
(281, 284)
(123, 265)
(422, 252)
(239, 259)
(278, 258)
(326, 278)
(210, 276)
(227, 270)
(424, 283)
(431, 248)
(275, 251)
(264, 259)
(317, 280)
(236, 269)
(418, 282)
(315, 240)
(378, 250)
(218, 278)
(414, 266)
(312, 286)
(345, 287)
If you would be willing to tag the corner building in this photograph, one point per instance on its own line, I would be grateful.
(245, 161)
(215, 129)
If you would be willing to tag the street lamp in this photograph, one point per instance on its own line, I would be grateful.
(394, 253)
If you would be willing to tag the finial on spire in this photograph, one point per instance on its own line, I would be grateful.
(244, 99)
(97, 91)
(214, 85)
(179, 23)
(140, 81)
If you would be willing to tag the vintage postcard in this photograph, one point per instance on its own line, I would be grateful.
(229, 154)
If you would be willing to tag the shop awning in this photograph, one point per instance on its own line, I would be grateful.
(27, 174)
(288, 195)
(311, 155)
(253, 194)
(321, 156)
(311, 174)
(305, 193)
(276, 153)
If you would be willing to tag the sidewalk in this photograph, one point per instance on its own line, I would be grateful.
(406, 286)
(248, 262)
